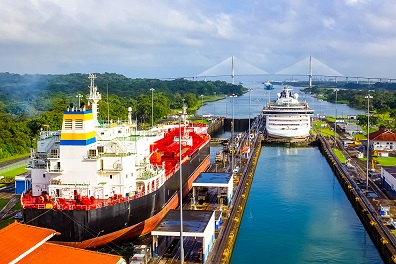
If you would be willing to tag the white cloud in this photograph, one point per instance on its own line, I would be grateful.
(186, 37)
(354, 2)
(329, 22)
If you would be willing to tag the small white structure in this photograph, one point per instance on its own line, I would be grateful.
(382, 153)
(352, 129)
(218, 180)
(197, 224)
(384, 211)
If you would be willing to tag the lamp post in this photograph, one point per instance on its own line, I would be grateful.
(368, 97)
(226, 111)
(152, 106)
(181, 193)
(320, 116)
(202, 108)
(232, 136)
(335, 119)
(250, 90)
(214, 106)
(79, 96)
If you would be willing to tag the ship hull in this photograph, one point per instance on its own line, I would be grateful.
(120, 221)
(287, 134)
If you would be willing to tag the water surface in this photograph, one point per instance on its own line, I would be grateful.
(298, 213)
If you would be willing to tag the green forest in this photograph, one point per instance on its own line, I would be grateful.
(27, 102)
(382, 101)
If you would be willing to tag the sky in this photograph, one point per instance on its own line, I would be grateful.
(183, 38)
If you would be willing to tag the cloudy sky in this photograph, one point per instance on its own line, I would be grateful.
(183, 38)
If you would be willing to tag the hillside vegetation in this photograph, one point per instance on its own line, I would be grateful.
(27, 102)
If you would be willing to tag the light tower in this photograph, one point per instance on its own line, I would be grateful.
(232, 136)
(202, 108)
(181, 189)
(335, 119)
(232, 69)
(310, 72)
(368, 97)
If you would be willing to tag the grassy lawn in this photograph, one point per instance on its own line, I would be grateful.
(15, 157)
(313, 132)
(330, 118)
(17, 206)
(6, 222)
(360, 136)
(3, 202)
(325, 131)
(390, 161)
(339, 154)
(372, 129)
(15, 172)
(206, 98)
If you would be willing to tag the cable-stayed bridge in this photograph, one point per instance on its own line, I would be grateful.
(308, 67)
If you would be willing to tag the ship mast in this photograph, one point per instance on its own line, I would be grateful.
(94, 97)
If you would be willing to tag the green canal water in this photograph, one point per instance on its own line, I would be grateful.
(298, 213)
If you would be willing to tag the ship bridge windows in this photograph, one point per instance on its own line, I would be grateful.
(100, 149)
(92, 153)
(79, 124)
(68, 124)
(54, 153)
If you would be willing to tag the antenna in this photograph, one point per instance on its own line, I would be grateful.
(232, 69)
(310, 71)
(94, 97)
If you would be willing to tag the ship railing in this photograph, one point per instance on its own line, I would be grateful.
(54, 170)
(149, 174)
(86, 207)
(41, 206)
(36, 166)
(121, 154)
(91, 157)
(49, 134)
(117, 168)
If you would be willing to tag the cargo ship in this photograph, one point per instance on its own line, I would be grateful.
(97, 182)
(287, 117)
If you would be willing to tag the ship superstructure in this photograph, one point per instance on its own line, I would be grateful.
(287, 117)
(95, 182)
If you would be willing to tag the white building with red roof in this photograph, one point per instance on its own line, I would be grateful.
(383, 139)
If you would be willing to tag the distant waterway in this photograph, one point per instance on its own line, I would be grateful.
(298, 213)
(259, 97)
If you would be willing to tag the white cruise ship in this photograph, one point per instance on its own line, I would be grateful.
(287, 117)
